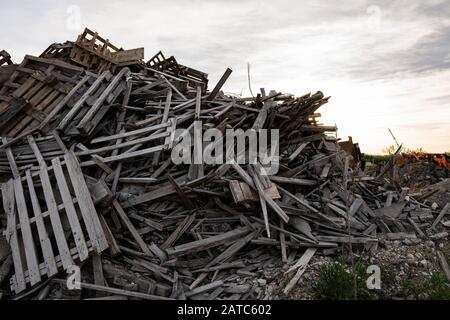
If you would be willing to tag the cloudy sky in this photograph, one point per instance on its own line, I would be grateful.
(386, 64)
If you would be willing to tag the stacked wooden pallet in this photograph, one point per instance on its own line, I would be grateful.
(88, 155)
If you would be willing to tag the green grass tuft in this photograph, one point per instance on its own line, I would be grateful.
(434, 288)
(338, 281)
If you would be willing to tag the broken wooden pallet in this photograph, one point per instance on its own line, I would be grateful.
(48, 235)
(96, 53)
(5, 58)
(35, 88)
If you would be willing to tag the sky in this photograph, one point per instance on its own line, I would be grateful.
(385, 64)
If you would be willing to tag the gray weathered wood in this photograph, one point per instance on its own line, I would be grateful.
(71, 212)
(46, 246)
(85, 203)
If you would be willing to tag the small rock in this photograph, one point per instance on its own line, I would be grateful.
(262, 282)
(410, 258)
(424, 263)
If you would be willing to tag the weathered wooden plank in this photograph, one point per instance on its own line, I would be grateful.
(219, 84)
(9, 205)
(207, 243)
(27, 235)
(300, 265)
(441, 215)
(55, 219)
(123, 216)
(126, 155)
(121, 292)
(204, 288)
(295, 181)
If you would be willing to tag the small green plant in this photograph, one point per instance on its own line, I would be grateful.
(434, 288)
(339, 281)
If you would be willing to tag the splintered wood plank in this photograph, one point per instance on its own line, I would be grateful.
(126, 155)
(85, 203)
(300, 265)
(9, 206)
(297, 151)
(295, 181)
(47, 251)
(130, 143)
(283, 243)
(204, 288)
(96, 106)
(265, 214)
(233, 249)
(27, 235)
(71, 212)
(97, 268)
(207, 243)
(441, 215)
(219, 84)
(167, 106)
(179, 231)
(121, 292)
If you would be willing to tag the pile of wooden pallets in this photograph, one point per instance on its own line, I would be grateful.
(88, 134)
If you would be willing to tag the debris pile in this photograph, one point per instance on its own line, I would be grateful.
(417, 173)
(89, 133)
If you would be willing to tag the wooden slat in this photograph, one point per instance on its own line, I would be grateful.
(27, 236)
(131, 133)
(62, 125)
(301, 265)
(55, 219)
(9, 206)
(82, 125)
(85, 203)
(46, 246)
(70, 210)
(123, 216)
(204, 244)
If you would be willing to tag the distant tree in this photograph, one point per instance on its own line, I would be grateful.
(415, 151)
(389, 150)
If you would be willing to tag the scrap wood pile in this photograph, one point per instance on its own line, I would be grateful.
(88, 131)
